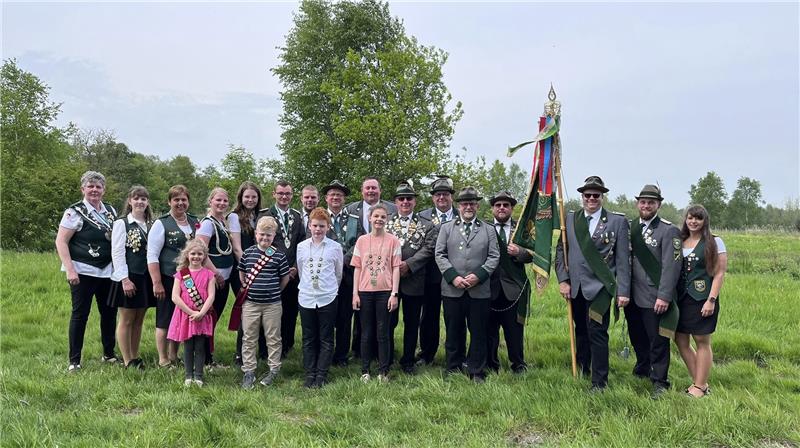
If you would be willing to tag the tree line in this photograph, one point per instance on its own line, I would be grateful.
(360, 97)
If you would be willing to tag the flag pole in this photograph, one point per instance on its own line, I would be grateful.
(562, 228)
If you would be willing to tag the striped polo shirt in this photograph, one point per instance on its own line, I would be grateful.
(266, 288)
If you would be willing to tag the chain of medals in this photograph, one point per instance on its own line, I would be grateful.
(284, 228)
(186, 221)
(101, 221)
(403, 232)
(312, 264)
(375, 263)
(217, 226)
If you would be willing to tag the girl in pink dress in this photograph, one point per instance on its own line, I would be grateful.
(193, 295)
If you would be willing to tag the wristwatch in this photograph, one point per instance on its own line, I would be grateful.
(712, 299)
(394, 294)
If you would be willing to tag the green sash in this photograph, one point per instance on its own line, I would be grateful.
(602, 302)
(668, 322)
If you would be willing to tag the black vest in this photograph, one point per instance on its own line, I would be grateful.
(92, 244)
(135, 248)
(219, 245)
(248, 237)
(695, 280)
(174, 240)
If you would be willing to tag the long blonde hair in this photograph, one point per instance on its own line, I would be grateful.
(183, 257)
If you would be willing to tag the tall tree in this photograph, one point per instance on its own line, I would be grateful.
(40, 169)
(744, 208)
(360, 98)
(709, 192)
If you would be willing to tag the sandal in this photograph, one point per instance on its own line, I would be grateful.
(706, 391)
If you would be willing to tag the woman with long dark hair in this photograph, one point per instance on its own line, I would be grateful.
(704, 264)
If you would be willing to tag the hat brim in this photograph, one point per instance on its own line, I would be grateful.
(592, 187)
(648, 196)
(344, 190)
(470, 198)
(406, 195)
(449, 190)
(511, 201)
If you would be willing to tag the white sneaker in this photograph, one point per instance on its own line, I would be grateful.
(187, 382)
(365, 378)
(383, 378)
(73, 368)
(199, 383)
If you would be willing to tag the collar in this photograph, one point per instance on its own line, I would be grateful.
(91, 208)
(596, 215)
(366, 206)
(648, 222)
(132, 220)
(507, 223)
(448, 213)
(281, 212)
(335, 215)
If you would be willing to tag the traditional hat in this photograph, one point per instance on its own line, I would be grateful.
(593, 183)
(405, 189)
(468, 194)
(336, 185)
(650, 192)
(504, 195)
(442, 183)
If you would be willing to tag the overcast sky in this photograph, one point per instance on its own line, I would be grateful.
(650, 92)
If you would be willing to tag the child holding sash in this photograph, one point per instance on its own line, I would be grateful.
(193, 294)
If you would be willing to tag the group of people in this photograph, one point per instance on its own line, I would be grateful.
(348, 269)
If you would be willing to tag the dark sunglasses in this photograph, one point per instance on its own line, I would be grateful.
(502, 204)
(405, 198)
(592, 195)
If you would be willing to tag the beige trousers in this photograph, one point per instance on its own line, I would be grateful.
(254, 317)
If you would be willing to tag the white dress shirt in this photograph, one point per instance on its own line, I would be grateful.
(595, 219)
(119, 236)
(309, 257)
(155, 240)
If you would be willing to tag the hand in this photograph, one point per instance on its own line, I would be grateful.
(292, 273)
(460, 283)
(392, 303)
(512, 249)
(404, 269)
(564, 289)
(195, 316)
(220, 279)
(128, 287)
(472, 280)
(356, 302)
(72, 277)
(661, 306)
(708, 309)
(623, 301)
(158, 291)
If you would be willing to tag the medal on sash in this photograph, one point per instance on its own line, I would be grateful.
(191, 288)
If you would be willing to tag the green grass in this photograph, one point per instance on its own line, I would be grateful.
(755, 401)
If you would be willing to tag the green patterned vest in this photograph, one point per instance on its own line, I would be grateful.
(174, 240)
(92, 243)
(135, 247)
(695, 280)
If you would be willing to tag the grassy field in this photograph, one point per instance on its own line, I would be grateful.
(756, 382)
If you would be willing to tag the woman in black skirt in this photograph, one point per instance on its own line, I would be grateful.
(704, 264)
(132, 288)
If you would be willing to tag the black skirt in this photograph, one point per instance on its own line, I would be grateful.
(692, 321)
(142, 299)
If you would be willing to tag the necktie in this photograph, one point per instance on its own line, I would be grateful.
(502, 232)
(443, 217)
(404, 218)
(286, 223)
(589, 222)
(643, 226)
(467, 226)
(336, 226)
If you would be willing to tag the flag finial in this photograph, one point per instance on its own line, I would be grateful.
(552, 108)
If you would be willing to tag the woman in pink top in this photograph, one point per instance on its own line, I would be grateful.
(376, 259)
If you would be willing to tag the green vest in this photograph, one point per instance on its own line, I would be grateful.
(219, 245)
(174, 240)
(695, 280)
(135, 248)
(92, 243)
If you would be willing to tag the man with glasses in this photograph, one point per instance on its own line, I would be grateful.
(289, 234)
(442, 195)
(467, 254)
(417, 237)
(511, 289)
(597, 274)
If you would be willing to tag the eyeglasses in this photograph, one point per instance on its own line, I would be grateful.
(468, 204)
(441, 194)
(592, 195)
(502, 205)
(405, 198)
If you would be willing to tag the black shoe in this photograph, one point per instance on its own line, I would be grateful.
(341, 363)
(478, 379)
(320, 381)
(237, 360)
(658, 391)
(310, 382)
(597, 388)
(520, 370)
(409, 370)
